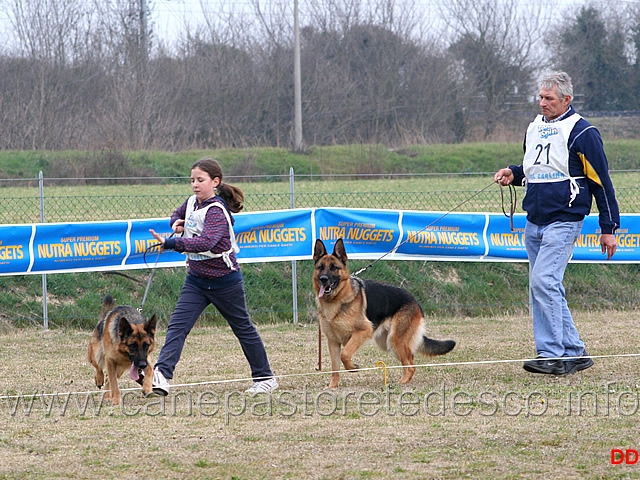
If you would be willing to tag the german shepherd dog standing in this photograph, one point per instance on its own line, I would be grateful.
(352, 310)
(122, 341)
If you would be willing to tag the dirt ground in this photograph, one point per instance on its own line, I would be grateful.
(474, 413)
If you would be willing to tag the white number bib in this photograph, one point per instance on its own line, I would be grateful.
(547, 155)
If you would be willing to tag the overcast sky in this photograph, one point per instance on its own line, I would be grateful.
(171, 16)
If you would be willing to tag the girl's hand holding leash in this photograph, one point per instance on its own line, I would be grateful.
(158, 237)
(178, 226)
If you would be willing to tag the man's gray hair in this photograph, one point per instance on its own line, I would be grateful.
(561, 80)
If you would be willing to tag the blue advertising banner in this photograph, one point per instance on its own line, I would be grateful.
(15, 241)
(62, 246)
(504, 243)
(365, 232)
(284, 235)
(274, 236)
(140, 244)
(587, 247)
(443, 235)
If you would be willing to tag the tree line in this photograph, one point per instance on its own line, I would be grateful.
(94, 75)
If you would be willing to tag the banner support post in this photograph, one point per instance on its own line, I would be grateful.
(294, 266)
(45, 309)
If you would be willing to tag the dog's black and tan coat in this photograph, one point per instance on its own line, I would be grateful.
(122, 341)
(352, 310)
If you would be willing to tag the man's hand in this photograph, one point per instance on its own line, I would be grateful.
(609, 244)
(503, 177)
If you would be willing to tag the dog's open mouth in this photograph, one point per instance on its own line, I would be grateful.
(326, 289)
(136, 374)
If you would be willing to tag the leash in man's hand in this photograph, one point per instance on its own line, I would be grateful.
(467, 200)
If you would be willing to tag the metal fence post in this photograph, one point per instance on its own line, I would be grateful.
(45, 311)
(294, 270)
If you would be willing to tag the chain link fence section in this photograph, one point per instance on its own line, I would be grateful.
(81, 208)
(21, 202)
(84, 208)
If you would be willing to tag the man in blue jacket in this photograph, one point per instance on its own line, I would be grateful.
(564, 167)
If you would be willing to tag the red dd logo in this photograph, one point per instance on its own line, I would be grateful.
(628, 456)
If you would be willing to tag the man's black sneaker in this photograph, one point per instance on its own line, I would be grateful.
(546, 366)
(574, 365)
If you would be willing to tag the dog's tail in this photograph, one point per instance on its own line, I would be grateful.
(108, 304)
(431, 347)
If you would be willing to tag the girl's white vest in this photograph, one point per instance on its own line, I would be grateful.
(194, 224)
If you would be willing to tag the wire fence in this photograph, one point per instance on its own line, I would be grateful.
(23, 203)
(442, 288)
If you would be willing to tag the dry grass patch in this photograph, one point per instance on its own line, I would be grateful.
(472, 414)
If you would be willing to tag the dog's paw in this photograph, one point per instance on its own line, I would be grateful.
(148, 394)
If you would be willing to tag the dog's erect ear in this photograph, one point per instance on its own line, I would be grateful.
(319, 251)
(339, 251)
(124, 328)
(150, 326)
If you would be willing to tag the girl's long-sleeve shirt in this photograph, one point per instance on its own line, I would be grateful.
(215, 238)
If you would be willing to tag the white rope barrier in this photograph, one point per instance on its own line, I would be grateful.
(379, 366)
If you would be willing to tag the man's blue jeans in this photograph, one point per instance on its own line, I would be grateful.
(549, 249)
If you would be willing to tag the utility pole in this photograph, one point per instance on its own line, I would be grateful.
(143, 31)
(297, 114)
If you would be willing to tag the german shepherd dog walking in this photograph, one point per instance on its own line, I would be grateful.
(352, 310)
(122, 341)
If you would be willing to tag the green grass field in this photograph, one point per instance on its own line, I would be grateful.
(474, 413)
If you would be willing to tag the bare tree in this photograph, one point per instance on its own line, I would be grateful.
(95, 75)
(129, 99)
(634, 20)
(493, 41)
(596, 48)
(368, 75)
(273, 51)
(49, 38)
